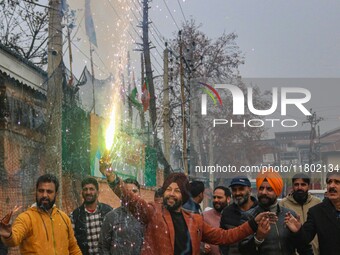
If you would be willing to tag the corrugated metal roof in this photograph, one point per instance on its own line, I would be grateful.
(22, 70)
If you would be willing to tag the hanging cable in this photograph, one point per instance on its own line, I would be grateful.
(180, 6)
(171, 15)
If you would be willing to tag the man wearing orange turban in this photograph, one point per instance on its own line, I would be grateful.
(274, 179)
(279, 239)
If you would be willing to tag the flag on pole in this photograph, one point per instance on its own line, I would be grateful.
(64, 6)
(134, 100)
(145, 96)
(133, 95)
(89, 25)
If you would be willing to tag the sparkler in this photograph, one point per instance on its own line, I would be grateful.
(107, 159)
(5, 220)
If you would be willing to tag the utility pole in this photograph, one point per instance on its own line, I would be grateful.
(129, 86)
(148, 68)
(142, 116)
(92, 80)
(166, 105)
(70, 81)
(187, 65)
(184, 124)
(194, 106)
(313, 120)
(53, 153)
(149, 77)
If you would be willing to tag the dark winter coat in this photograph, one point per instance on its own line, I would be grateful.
(121, 233)
(279, 241)
(322, 220)
(232, 217)
(79, 221)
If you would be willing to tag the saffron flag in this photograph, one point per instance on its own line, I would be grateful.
(89, 25)
(145, 96)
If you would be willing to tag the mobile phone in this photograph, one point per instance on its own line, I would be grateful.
(272, 215)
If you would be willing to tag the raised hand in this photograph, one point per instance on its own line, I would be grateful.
(5, 220)
(272, 217)
(263, 228)
(292, 223)
(267, 215)
(106, 169)
(5, 227)
(207, 248)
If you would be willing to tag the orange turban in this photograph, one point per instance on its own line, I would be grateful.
(274, 179)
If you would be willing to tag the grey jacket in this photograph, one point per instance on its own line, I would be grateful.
(279, 241)
(232, 216)
(121, 234)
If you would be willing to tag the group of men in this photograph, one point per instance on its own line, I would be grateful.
(246, 226)
(305, 224)
(93, 228)
(279, 227)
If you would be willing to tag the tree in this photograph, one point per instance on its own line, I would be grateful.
(23, 28)
(220, 58)
(211, 61)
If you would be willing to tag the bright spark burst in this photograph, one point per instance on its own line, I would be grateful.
(110, 132)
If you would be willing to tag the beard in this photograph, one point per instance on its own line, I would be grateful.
(241, 200)
(266, 201)
(89, 199)
(45, 206)
(173, 207)
(300, 196)
(219, 206)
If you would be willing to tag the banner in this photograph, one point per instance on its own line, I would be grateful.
(89, 25)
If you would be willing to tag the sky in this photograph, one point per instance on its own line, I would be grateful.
(279, 39)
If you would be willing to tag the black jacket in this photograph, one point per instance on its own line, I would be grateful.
(3, 248)
(322, 220)
(121, 233)
(79, 221)
(232, 217)
(279, 241)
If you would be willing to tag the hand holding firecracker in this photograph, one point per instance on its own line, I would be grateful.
(105, 167)
(5, 220)
(5, 227)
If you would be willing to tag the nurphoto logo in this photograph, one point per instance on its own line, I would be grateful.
(294, 96)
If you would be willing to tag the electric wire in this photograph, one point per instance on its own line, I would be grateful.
(180, 6)
(171, 15)
(113, 8)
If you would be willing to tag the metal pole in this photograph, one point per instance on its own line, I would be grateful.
(184, 125)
